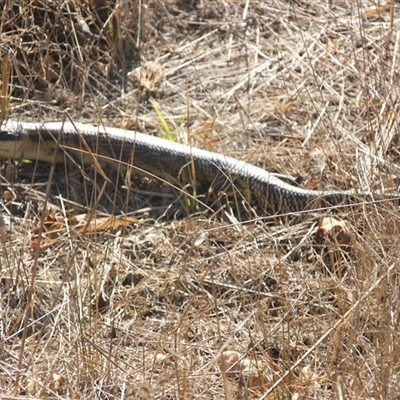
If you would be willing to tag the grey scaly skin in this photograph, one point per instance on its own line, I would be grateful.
(173, 162)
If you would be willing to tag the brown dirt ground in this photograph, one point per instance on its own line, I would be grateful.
(161, 307)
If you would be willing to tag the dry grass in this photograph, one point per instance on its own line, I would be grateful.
(151, 310)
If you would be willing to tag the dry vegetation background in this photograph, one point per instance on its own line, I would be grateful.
(163, 307)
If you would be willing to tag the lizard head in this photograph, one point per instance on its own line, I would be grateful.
(13, 143)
